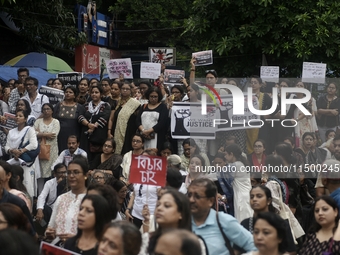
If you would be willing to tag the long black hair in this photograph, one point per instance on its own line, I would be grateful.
(237, 152)
(268, 195)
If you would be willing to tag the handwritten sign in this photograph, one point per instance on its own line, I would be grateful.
(270, 73)
(115, 67)
(54, 95)
(313, 72)
(203, 58)
(10, 121)
(47, 249)
(149, 170)
(150, 70)
(70, 78)
(172, 76)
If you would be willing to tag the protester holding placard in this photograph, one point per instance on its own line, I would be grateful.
(328, 111)
(67, 113)
(124, 119)
(94, 121)
(152, 119)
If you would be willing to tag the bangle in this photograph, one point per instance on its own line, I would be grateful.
(145, 223)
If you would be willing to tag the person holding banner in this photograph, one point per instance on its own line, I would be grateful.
(67, 113)
(124, 119)
(152, 120)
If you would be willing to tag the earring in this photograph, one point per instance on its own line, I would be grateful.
(85, 178)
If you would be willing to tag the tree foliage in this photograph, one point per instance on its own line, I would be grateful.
(45, 24)
(155, 23)
(287, 32)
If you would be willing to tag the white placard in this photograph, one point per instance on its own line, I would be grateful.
(115, 67)
(270, 73)
(150, 70)
(313, 72)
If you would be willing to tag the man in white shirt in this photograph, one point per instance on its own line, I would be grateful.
(35, 99)
(73, 149)
(49, 194)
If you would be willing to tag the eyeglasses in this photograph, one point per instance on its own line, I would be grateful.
(75, 173)
(136, 141)
(107, 146)
(210, 71)
(195, 196)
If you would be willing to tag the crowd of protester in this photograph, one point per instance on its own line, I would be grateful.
(77, 194)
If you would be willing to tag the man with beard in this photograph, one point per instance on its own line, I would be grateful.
(209, 224)
(66, 156)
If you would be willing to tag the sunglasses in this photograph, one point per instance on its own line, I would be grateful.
(212, 71)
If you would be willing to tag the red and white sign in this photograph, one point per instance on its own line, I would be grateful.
(149, 170)
(49, 249)
(89, 58)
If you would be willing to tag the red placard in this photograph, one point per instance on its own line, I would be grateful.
(149, 170)
(49, 249)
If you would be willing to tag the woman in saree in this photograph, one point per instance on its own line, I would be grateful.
(108, 161)
(124, 120)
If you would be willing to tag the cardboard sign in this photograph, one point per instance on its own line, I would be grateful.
(313, 72)
(70, 78)
(10, 121)
(115, 67)
(166, 56)
(54, 95)
(150, 70)
(187, 121)
(49, 249)
(270, 73)
(149, 170)
(203, 58)
(172, 76)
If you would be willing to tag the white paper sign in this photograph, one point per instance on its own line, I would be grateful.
(150, 70)
(203, 58)
(270, 73)
(115, 67)
(313, 72)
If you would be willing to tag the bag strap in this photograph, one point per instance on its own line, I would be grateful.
(22, 139)
(226, 240)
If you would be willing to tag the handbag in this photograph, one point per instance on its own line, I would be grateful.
(28, 156)
(45, 150)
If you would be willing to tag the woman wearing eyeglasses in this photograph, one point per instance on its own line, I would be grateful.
(124, 119)
(258, 157)
(108, 161)
(152, 120)
(63, 222)
(47, 129)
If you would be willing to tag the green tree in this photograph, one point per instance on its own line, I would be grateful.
(45, 25)
(285, 32)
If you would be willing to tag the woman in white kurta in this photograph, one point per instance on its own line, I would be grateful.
(241, 183)
(48, 128)
(24, 134)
